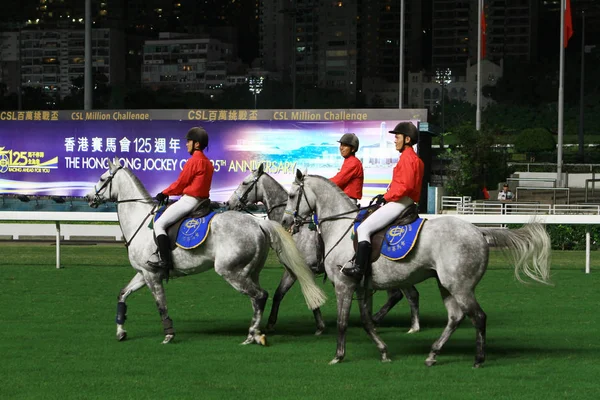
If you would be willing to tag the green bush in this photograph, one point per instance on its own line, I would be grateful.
(572, 237)
(534, 140)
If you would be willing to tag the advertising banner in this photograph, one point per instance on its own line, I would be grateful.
(65, 157)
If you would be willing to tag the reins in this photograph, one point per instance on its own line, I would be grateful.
(146, 200)
(299, 221)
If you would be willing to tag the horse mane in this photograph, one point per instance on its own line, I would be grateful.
(333, 187)
(136, 182)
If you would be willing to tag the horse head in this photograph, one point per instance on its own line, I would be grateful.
(248, 192)
(300, 205)
(103, 190)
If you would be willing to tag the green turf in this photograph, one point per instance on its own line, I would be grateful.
(58, 337)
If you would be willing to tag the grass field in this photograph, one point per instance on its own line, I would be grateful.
(58, 337)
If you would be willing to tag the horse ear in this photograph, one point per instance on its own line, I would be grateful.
(261, 168)
(299, 175)
(116, 161)
(110, 164)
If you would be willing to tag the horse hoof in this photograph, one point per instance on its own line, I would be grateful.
(247, 341)
(430, 363)
(168, 339)
(336, 360)
(262, 340)
(121, 336)
(319, 331)
(385, 359)
(413, 330)
(270, 328)
(478, 365)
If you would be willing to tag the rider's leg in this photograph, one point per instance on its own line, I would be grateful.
(379, 220)
(173, 213)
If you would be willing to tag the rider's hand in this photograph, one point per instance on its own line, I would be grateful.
(379, 200)
(161, 197)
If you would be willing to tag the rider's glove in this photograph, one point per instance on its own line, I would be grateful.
(379, 200)
(161, 197)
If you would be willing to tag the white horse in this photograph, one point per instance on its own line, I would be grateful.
(237, 247)
(449, 249)
(260, 187)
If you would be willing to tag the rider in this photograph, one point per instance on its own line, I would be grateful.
(193, 183)
(350, 178)
(404, 190)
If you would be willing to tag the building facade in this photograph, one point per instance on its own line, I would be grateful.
(426, 92)
(187, 63)
(53, 59)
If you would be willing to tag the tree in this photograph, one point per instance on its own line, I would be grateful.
(534, 141)
(474, 162)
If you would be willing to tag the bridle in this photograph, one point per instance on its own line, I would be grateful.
(312, 218)
(243, 199)
(98, 200)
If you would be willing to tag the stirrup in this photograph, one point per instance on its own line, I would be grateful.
(158, 264)
(353, 272)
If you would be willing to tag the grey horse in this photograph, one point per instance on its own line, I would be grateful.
(237, 247)
(449, 249)
(260, 187)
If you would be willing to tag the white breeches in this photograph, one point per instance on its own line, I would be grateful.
(381, 218)
(175, 211)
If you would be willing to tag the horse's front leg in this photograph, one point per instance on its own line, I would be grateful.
(343, 294)
(394, 296)
(367, 320)
(136, 283)
(412, 296)
(154, 282)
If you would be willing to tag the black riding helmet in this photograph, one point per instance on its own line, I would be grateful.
(407, 129)
(350, 139)
(198, 134)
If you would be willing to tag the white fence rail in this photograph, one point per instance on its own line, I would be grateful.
(62, 219)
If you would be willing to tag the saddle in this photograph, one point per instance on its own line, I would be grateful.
(203, 209)
(406, 217)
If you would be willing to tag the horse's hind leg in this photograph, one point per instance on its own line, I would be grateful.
(368, 325)
(136, 283)
(287, 281)
(472, 308)
(455, 316)
(258, 296)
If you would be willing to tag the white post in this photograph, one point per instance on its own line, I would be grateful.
(57, 245)
(587, 249)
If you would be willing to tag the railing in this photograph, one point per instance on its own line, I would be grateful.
(592, 181)
(490, 207)
(543, 180)
(451, 203)
(554, 190)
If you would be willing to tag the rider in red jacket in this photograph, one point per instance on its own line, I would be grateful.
(193, 184)
(404, 190)
(351, 176)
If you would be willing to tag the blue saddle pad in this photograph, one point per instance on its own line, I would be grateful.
(399, 239)
(193, 231)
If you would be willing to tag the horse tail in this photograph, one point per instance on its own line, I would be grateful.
(288, 254)
(529, 248)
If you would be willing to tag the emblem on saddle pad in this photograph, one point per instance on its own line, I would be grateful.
(191, 231)
(398, 240)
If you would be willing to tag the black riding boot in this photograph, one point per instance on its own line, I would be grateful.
(164, 249)
(363, 253)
